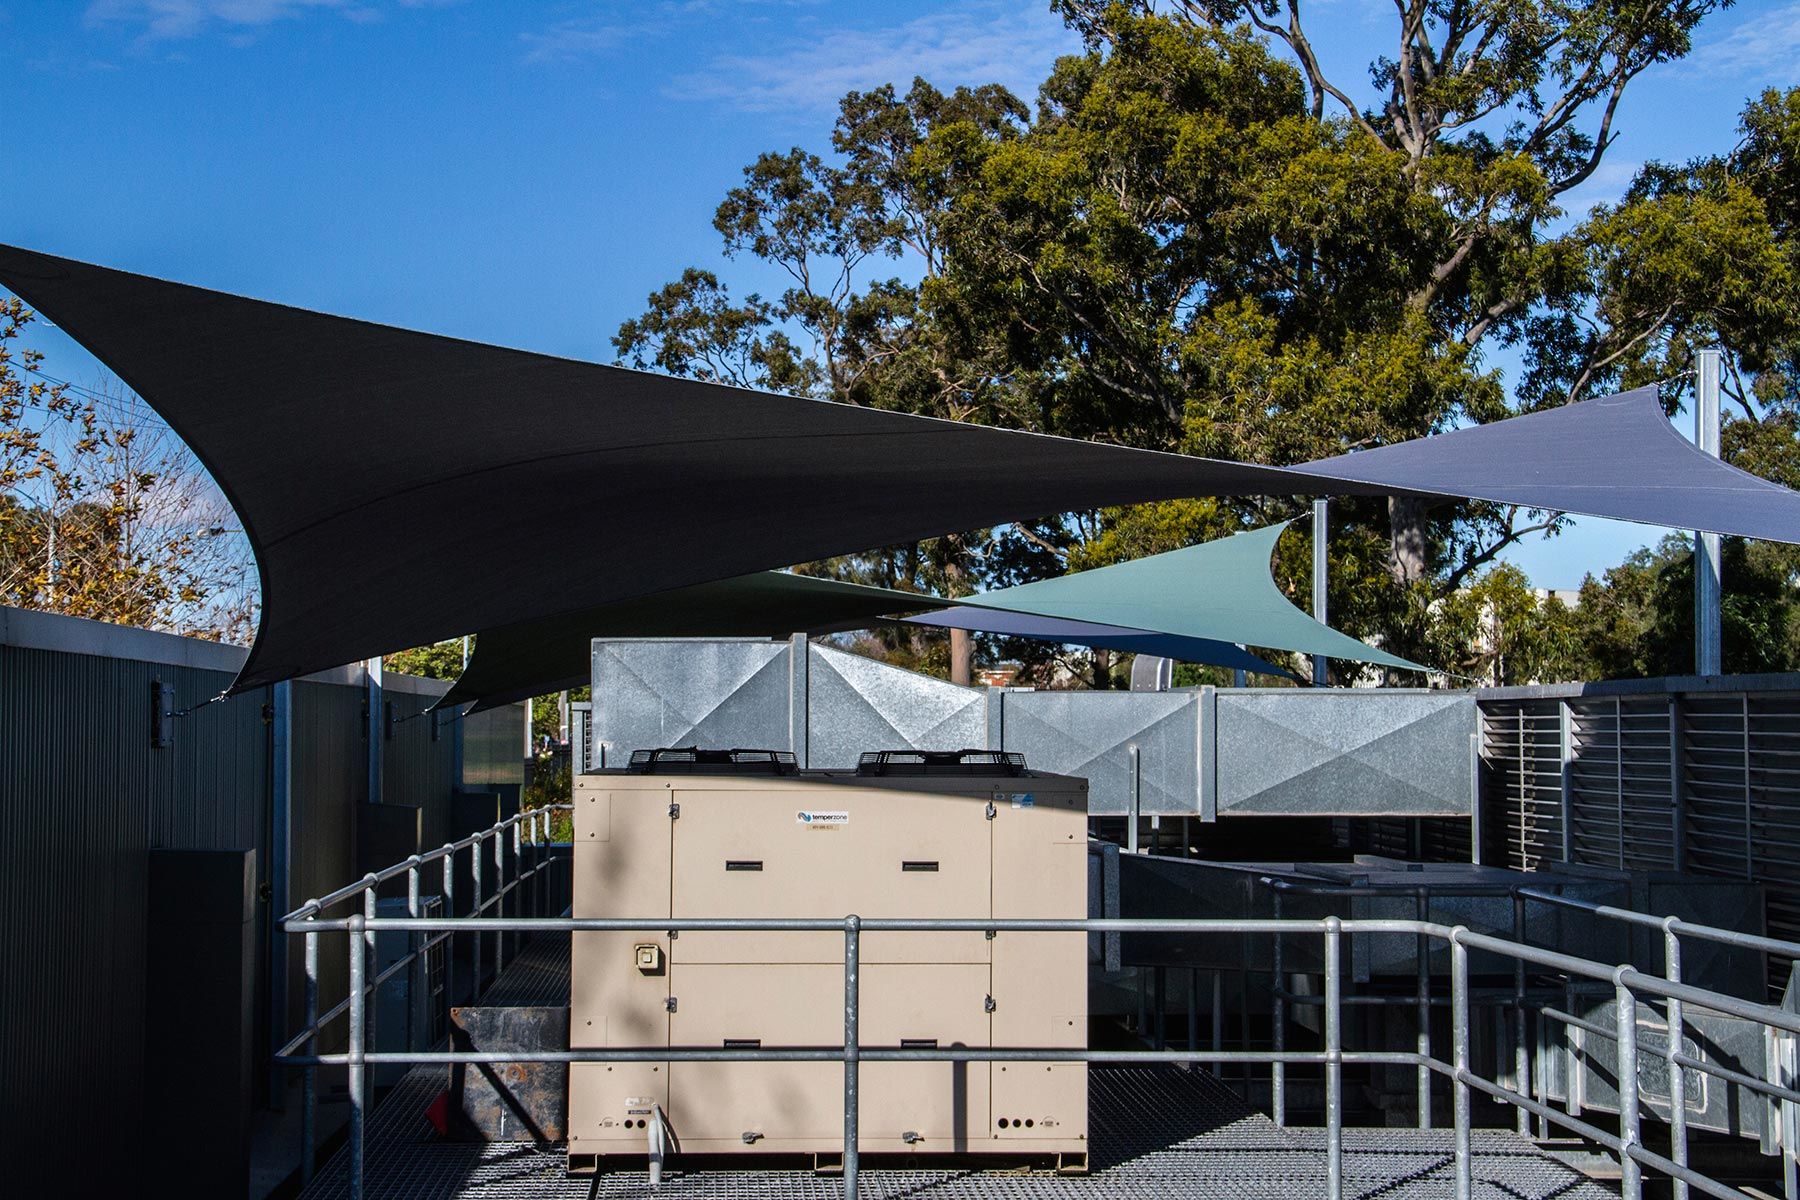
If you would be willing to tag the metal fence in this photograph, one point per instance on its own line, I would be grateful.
(1210, 753)
(1691, 774)
(1651, 1014)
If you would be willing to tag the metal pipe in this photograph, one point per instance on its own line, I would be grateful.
(500, 887)
(1677, 1082)
(450, 948)
(1334, 1067)
(354, 1068)
(371, 1013)
(309, 1083)
(475, 910)
(1277, 1028)
(1319, 581)
(1459, 1057)
(1707, 590)
(415, 959)
(852, 1052)
(1631, 1179)
(1422, 990)
(835, 1054)
(1521, 1062)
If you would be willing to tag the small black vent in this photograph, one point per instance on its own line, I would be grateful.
(691, 760)
(941, 762)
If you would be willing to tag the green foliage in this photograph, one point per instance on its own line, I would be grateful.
(441, 660)
(1197, 240)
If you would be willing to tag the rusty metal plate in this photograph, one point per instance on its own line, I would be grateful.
(509, 1102)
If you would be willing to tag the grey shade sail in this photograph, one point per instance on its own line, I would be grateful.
(532, 658)
(391, 483)
(1207, 651)
(1219, 590)
(1612, 456)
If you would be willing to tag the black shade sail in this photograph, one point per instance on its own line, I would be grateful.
(393, 484)
(533, 658)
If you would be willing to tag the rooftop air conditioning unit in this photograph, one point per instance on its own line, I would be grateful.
(698, 833)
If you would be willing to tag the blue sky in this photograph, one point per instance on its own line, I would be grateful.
(526, 173)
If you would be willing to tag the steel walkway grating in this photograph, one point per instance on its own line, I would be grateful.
(1157, 1133)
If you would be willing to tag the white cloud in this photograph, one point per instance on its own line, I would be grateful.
(1762, 48)
(571, 41)
(170, 20)
(1008, 43)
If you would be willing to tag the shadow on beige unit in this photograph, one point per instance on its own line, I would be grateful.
(901, 837)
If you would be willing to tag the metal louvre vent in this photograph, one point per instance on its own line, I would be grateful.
(1521, 753)
(1621, 782)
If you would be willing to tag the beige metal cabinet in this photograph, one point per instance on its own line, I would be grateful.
(826, 845)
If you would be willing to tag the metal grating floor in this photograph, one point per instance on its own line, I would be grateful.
(1157, 1132)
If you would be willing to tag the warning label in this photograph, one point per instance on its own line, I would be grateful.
(1020, 799)
(816, 819)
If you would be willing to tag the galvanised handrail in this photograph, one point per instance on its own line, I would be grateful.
(1625, 980)
(530, 826)
(1672, 928)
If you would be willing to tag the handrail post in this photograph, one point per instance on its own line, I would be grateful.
(1334, 1066)
(449, 942)
(370, 1017)
(1278, 1021)
(500, 897)
(518, 899)
(1422, 987)
(1521, 1056)
(475, 912)
(1459, 1061)
(415, 969)
(852, 1050)
(309, 1075)
(354, 1069)
(1631, 1173)
(1678, 1147)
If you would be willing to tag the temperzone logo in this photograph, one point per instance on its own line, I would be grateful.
(814, 819)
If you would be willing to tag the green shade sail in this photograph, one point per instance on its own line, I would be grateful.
(1219, 590)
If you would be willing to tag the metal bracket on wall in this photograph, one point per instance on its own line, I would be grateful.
(162, 715)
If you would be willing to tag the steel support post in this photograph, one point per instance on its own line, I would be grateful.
(1319, 581)
(518, 897)
(281, 854)
(1678, 1144)
(1193, 1014)
(1278, 1032)
(355, 1072)
(1631, 1172)
(1707, 590)
(1572, 1064)
(1521, 1053)
(852, 1050)
(1459, 1062)
(1422, 998)
(1334, 1066)
(309, 1075)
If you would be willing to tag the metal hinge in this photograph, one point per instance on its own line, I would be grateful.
(669, 1004)
(988, 1005)
(674, 812)
(992, 812)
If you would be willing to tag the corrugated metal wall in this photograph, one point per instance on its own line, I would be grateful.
(84, 796)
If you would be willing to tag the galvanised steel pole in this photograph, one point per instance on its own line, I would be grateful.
(449, 942)
(309, 1081)
(415, 968)
(1459, 1061)
(1278, 1032)
(1422, 990)
(372, 1016)
(1678, 1148)
(1631, 1173)
(1521, 1055)
(1707, 589)
(354, 1069)
(852, 1050)
(1334, 1066)
(1320, 607)
(475, 911)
